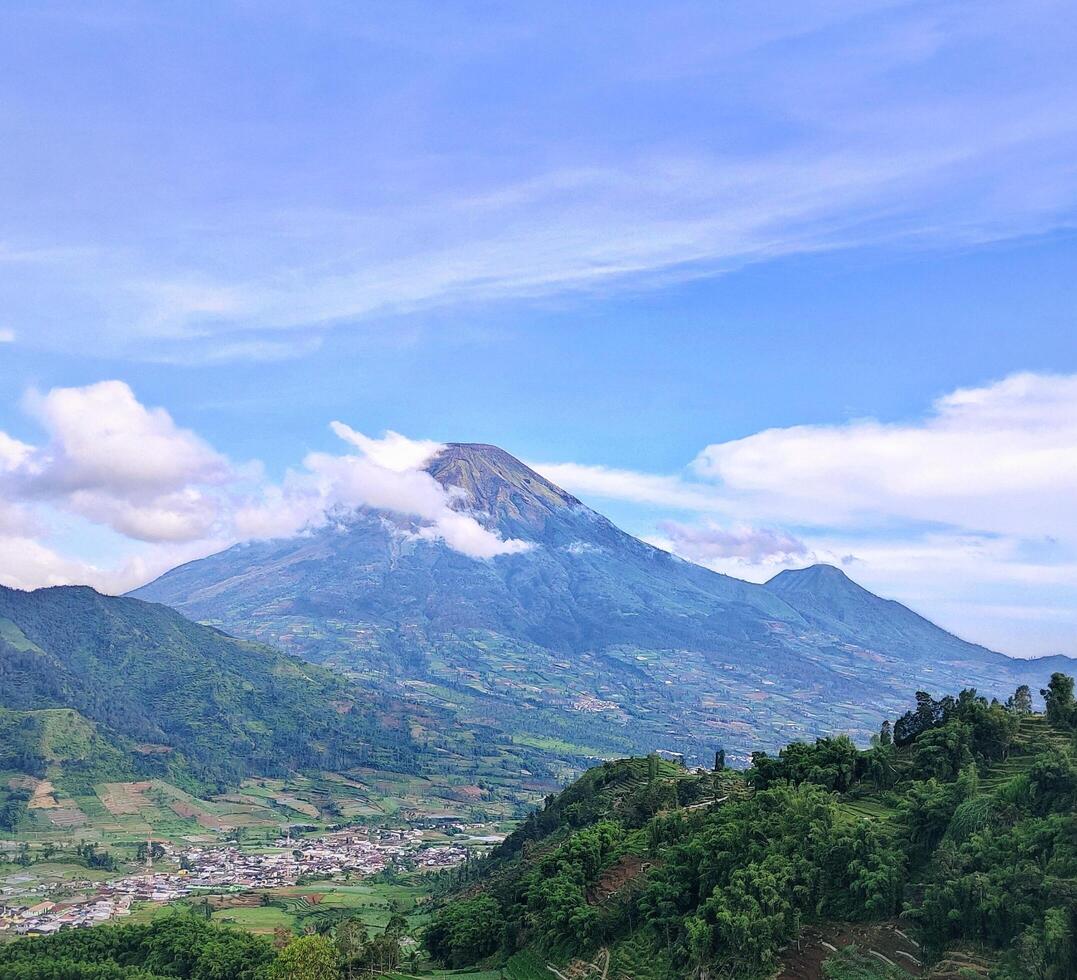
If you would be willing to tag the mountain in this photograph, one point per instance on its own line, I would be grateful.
(110, 688)
(830, 601)
(591, 642)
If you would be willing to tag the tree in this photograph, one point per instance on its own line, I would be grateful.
(927, 714)
(351, 939)
(1058, 696)
(468, 930)
(1053, 782)
(308, 958)
(719, 760)
(886, 735)
(1020, 702)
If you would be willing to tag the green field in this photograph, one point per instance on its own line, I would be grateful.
(301, 906)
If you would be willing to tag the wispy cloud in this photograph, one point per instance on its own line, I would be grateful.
(827, 127)
(709, 542)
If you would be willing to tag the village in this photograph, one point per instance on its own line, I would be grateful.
(205, 870)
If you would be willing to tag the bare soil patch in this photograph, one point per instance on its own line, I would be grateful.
(803, 960)
(122, 799)
(44, 797)
(67, 816)
(622, 873)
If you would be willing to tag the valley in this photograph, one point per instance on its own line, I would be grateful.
(276, 854)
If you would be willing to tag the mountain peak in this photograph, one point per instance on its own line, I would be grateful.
(813, 578)
(496, 483)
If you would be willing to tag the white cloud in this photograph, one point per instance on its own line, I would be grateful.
(115, 462)
(12, 452)
(709, 541)
(7, 335)
(29, 563)
(1000, 458)
(386, 476)
(393, 451)
(102, 436)
(958, 513)
(112, 462)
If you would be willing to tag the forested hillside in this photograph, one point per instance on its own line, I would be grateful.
(101, 687)
(960, 821)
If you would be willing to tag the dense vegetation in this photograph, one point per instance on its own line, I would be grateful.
(114, 688)
(187, 947)
(961, 818)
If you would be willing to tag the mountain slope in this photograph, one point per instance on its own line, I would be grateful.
(586, 584)
(592, 642)
(828, 599)
(160, 695)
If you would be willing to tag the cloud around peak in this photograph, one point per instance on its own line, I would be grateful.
(386, 474)
(393, 451)
(111, 462)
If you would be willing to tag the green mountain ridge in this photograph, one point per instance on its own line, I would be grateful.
(166, 697)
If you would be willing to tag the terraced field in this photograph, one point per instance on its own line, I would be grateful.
(1033, 737)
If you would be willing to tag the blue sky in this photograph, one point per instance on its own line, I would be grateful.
(605, 243)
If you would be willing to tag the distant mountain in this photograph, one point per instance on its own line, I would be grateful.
(590, 643)
(117, 688)
(830, 601)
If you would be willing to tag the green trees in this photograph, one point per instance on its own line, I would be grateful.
(739, 883)
(307, 958)
(178, 946)
(466, 931)
(1047, 949)
(1053, 782)
(831, 763)
(941, 753)
(1020, 702)
(93, 858)
(114, 672)
(964, 831)
(12, 807)
(938, 824)
(1058, 697)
